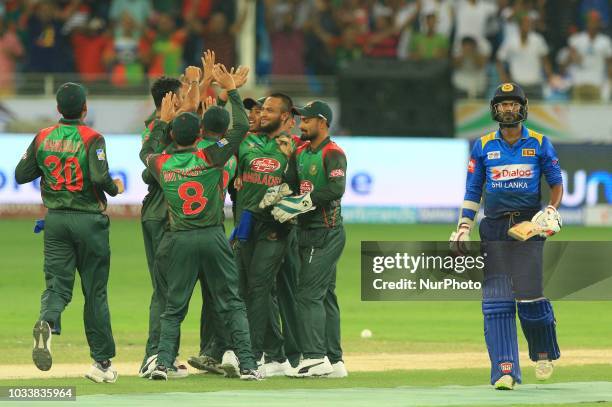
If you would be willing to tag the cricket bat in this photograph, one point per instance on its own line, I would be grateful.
(524, 230)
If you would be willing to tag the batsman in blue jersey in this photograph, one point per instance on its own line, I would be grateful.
(504, 173)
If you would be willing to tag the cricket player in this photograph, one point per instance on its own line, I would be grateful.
(154, 217)
(214, 341)
(262, 162)
(71, 160)
(192, 183)
(504, 169)
(318, 172)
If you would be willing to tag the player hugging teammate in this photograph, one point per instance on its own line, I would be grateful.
(504, 170)
(293, 329)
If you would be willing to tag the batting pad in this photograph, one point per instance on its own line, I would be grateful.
(500, 335)
(538, 323)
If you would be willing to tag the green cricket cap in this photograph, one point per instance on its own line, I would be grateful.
(71, 98)
(315, 109)
(186, 128)
(250, 103)
(216, 120)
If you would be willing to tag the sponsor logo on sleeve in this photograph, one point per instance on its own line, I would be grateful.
(264, 164)
(494, 155)
(306, 186)
(471, 165)
(513, 171)
(529, 152)
(101, 155)
(223, 142)
(339, 172)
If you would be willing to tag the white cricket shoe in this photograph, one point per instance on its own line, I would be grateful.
(180, 371)
(506, 382)
(312, 368)
(98, 374)
(543, 369)
(148, 367)
(276, 368)
(230, 364)
(159, 373)
(339, 370)
(41, 352)
(252, 374)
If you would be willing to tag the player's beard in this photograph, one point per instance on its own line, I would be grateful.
(271, 127)
(308, 136)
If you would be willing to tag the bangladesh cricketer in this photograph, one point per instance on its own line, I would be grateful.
(505, 168)
(214, 341)
(154, 216)
(262, 161)
(318, 171)
(71, 159)
(196, 244)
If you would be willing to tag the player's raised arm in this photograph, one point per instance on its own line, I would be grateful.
(220, 152)
(98, 167)
(157, 140)
(27, 170)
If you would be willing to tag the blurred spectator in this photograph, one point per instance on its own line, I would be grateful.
(220, 37)
(509, 16)
(10, 51)
(469, 61)
(200, 9)
(287, 43)
(164, 47)
(354, 13)
(89, 42)
(429, 44)
(383, 40)
(471, 18)
(322, 33)
(602, 7)
(526, 56)
(124, 55)
(348, 49)
(48, 48)
(405, 18)
(140, 10)
(589, 60)
(443, 9)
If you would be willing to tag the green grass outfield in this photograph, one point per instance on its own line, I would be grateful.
(409, 327)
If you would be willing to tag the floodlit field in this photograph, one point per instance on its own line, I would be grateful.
(421, 344)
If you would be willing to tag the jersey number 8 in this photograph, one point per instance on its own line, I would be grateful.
(192, 194)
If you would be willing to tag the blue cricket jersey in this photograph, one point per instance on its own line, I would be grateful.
(509, 174)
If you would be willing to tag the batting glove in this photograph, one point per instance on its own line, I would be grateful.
(459, 239)
(292, 206)
(274, 195)
(549, 220)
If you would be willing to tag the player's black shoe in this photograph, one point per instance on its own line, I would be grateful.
(41, 353)
(251, 374)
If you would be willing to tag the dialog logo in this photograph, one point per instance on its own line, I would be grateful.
(306, 186)
(513, 171)
(264, 164)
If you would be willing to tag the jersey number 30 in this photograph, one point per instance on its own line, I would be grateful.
(63, 173)
(192, 194)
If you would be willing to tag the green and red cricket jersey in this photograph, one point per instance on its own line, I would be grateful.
(322, 172)
(71, 159)
(154, 206)
(229, 169)
(261, 165)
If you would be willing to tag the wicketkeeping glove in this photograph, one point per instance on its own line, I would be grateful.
(274, 195)
(460, 238)
(549, 220)
(292, 206)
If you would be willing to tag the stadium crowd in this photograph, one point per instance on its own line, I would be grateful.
(556, 49)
